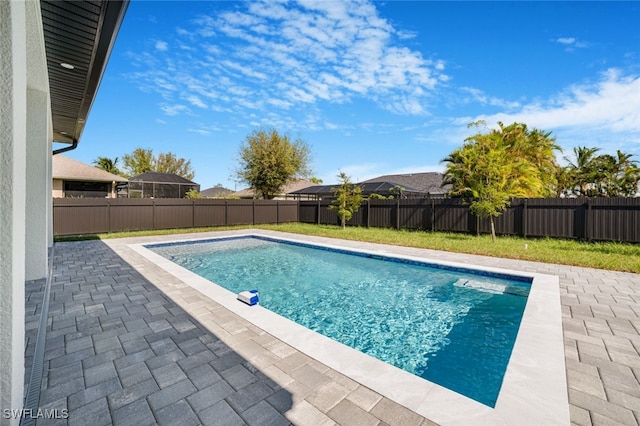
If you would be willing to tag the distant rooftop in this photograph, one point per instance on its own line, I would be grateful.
(66, 168)
(289, 188)
(216, 191)
(159, 177)
(429, 182)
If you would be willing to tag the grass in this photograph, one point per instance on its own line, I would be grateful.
(602, 255)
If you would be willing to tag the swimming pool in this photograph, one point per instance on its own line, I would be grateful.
(447, 325)
(534, 386)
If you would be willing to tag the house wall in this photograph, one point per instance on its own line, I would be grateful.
(25, 222)
(58, 188)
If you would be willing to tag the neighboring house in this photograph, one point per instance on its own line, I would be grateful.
(74, 179)
(285, 194)
(385, 189)
(217, 191)
(160, 185)
(429, 183)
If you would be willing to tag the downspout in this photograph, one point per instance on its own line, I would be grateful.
(73, 146)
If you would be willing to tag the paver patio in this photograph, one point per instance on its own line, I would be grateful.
(120, 350)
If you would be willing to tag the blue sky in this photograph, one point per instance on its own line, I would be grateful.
(373, 87)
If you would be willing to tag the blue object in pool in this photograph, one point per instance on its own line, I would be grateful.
(249, 297)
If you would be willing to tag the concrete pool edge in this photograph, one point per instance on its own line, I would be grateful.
(534, 387)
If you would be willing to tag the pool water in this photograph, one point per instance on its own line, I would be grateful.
(450, 326)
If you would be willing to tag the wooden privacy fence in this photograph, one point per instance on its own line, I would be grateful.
(598, 219)
(75, 216)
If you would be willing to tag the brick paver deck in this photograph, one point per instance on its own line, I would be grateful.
(120, 350)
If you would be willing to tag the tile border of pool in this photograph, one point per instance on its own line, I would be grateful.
(534, 386)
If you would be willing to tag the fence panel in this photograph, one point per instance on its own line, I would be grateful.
(172, 213)
(328, 216)
(452, 215)
(557, 217)
(80, 216)
(415, 213)
(209, 213)
(288, 211)
(240, 212)
(265, 211)
(382, 213)
(309, 211)
(614, 219)
(127, 214)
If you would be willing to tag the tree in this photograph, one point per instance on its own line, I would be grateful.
(493, 167)
(193, 194)
(605, 175)
(532, 150)
(169, 163)
(347, 199)
(269, 161)
(108, 165)
(143, 160)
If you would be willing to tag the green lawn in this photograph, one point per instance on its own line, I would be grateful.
(609, 255)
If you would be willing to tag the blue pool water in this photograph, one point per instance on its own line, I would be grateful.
(448, 325)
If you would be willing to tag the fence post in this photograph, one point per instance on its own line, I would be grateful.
(433, 215)
(193, 213)
(277, 212)
(398, 214)
(226, 212)
(153, 208)
(477, 225)
(318, 212)
(368, 210)
(524, 218)
(587, 219)
(109, 214)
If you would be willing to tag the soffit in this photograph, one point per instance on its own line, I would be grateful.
(81, 34)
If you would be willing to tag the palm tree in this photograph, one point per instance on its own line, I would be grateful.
(530, 154)
(583, 173)
(621, 175)
(108, 165)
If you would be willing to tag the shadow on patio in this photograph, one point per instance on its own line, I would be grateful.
(119, 351)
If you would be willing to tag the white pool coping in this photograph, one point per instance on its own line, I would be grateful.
(534, 388)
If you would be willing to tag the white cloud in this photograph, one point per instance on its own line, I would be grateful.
(612, 103)
(173, 110)
(200, 131)
(566, 40)
(571, 43)
(295, 54)
(162, 46)
(196, 101)
(603, 113)
(471, 94)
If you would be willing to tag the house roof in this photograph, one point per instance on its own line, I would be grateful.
(78, 37)
(382, 188)
(216, 191)
(430, 182)
(160, 177)
(289, 188)
(69, 169)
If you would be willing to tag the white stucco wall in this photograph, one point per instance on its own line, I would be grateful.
(25, 162)
(38, 193)
(13, 106)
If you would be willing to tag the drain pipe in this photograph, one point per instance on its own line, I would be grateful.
(73, 146)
